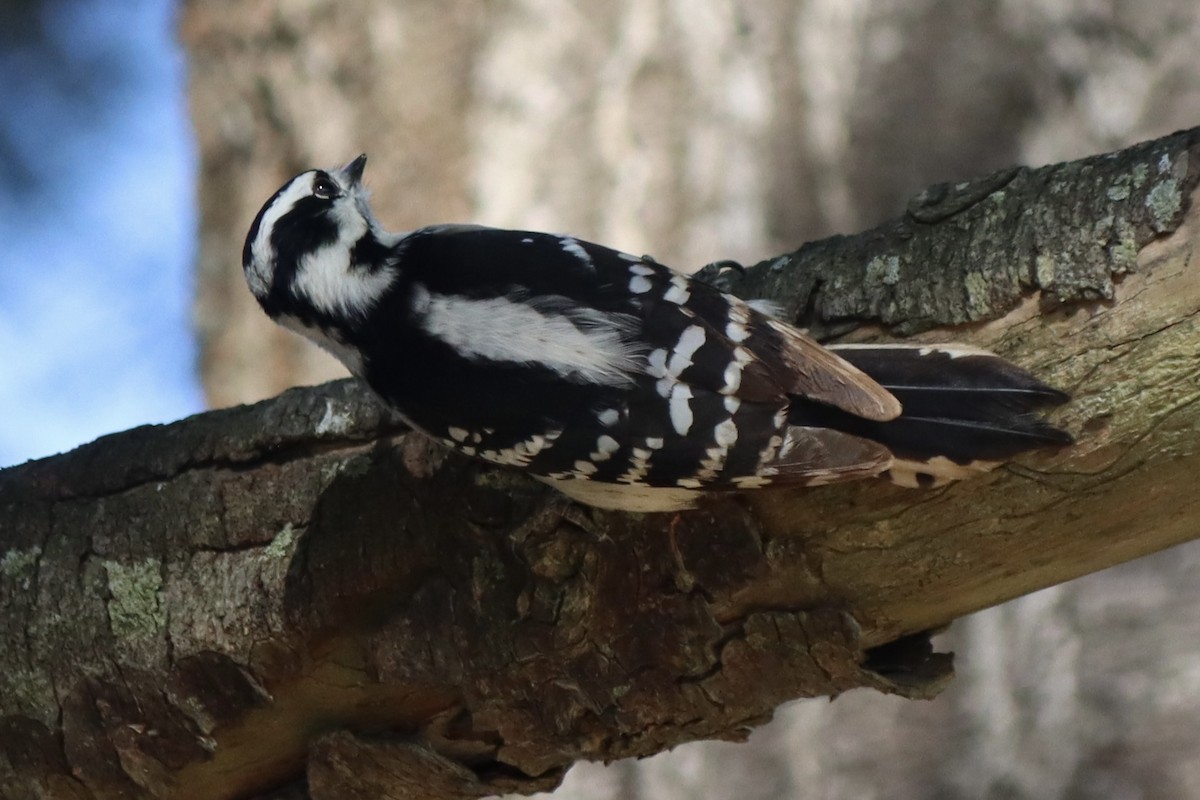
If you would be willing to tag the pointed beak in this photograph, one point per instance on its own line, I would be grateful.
(353, 171)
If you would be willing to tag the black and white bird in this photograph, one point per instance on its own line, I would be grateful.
(617, 380)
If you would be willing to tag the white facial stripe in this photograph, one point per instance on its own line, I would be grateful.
(586, 345)
(325, 278)
(259, 275)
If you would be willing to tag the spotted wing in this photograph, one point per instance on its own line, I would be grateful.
(575, 361)
(711, 409)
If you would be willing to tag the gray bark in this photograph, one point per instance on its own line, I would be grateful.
(264, 597)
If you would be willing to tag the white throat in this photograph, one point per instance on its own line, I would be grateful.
(333, 285)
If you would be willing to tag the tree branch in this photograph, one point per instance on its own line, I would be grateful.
(286, 600)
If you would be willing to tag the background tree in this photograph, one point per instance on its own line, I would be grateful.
(703, 131)
(692, 133)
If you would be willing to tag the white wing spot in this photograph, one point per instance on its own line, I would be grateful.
(641, 269)
(691, 340)
(655, 443)
(605, 447)
(585, 467)
(640, 285)
(508, 456)
(736, 331)
(458, 434)
(609, 417)
(768, 454)
(657, 363)
(727, 433)
(638, 466)
(531, 446)
(732, 404)
(732, 378)
(681, 409)
(678, 293)
(573, 247)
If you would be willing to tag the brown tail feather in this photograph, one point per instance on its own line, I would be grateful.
(965, 410)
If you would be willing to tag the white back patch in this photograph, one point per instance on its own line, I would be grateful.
(579, 343)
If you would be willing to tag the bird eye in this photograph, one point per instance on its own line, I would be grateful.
(324, 188)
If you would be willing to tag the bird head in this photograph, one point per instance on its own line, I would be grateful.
(305, 254)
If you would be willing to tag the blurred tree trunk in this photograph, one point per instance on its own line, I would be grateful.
(703, 131)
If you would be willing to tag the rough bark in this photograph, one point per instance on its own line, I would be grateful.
(279, 601)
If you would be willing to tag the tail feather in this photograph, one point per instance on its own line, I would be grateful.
(965, 410)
